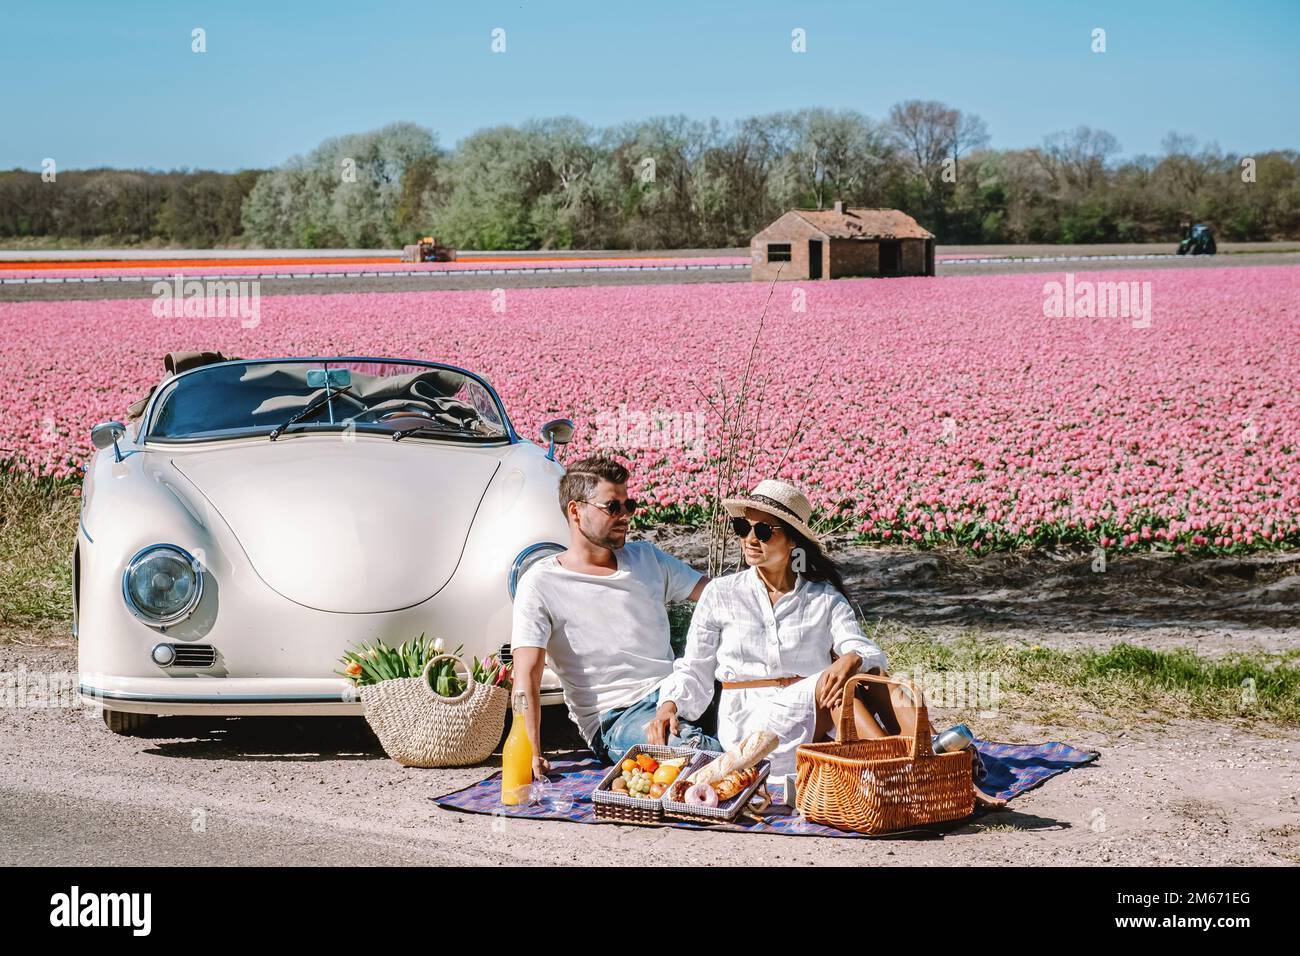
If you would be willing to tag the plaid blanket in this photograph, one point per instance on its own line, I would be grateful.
(1012, 769)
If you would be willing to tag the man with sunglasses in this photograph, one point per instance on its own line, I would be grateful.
(598, 612)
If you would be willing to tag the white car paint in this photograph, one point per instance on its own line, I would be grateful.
(309, 545)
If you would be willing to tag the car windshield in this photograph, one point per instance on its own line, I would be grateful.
(246, 398)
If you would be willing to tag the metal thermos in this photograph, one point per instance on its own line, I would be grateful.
(958, 738)
(953, 739)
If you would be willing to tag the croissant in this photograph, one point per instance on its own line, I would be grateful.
(735, 782)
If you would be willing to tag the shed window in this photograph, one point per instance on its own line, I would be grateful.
(778, 252)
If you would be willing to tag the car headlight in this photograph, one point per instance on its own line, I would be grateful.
(162, 584)
(527, 558)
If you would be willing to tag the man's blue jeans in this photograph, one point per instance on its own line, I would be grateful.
(621, 728)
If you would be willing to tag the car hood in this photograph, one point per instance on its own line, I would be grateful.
(354, 526)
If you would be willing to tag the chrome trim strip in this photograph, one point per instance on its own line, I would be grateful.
(548, 696)
(522, 556)
(100, 694)
(324, 428)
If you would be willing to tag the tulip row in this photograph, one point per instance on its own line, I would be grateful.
(919, 411)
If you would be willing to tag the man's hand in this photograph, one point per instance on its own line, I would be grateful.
(664, 722)
(830, 686)
(541, 766)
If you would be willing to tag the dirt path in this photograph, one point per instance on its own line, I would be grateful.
(1252, 601)
(321, 792)
(90, 290)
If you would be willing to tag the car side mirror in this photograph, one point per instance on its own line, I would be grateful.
(557, 432)
(106, 435)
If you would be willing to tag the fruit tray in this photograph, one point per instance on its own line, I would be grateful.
(625, 808)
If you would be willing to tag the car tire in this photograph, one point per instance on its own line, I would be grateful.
(128, 725)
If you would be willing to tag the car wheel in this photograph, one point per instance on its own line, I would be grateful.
(120, 722)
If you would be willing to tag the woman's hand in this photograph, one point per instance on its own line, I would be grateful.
(830, 686)
(664, 723)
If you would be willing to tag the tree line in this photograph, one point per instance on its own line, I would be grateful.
(192, 209)
(674, 182)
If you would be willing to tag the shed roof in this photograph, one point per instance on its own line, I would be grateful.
(863, 223)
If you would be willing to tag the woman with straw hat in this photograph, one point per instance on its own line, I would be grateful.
(781, 635)
(783, 639)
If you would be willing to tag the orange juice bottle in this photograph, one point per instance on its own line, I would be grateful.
(517, 755)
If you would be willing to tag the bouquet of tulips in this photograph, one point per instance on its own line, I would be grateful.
(372, 663)
(492, 670)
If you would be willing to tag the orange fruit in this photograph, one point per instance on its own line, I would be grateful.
(666, 774)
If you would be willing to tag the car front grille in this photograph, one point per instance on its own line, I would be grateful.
(194, 655)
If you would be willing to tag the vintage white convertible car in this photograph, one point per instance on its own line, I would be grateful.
(262, 516)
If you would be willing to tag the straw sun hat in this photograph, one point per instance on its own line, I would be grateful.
(777, 498)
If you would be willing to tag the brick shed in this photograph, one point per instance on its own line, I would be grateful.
(833, 243)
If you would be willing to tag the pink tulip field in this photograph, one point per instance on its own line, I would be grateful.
(918, 411)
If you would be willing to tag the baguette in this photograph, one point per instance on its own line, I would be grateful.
(751, 750)
(735, 782)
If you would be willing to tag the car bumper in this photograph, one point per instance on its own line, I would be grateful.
(238, 696)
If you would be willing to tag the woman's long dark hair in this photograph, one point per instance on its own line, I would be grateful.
(819, 566)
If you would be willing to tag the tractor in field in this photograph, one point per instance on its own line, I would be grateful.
(428, 249)
(1197, 241)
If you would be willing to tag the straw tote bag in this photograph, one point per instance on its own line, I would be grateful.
(420, 728)
(885, 784)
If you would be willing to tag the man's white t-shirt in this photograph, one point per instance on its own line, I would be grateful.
(606, 636)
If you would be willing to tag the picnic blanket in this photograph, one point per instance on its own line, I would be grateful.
(1012, 769)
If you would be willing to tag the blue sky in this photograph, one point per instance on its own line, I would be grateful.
(96, 82)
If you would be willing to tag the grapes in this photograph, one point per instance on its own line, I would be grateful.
(638, 781)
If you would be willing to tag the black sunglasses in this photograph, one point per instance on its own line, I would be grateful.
(762, 530)
(615, 508)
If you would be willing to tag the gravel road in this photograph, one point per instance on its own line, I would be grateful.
(425, 282)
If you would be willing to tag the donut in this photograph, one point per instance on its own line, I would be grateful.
(702, 795)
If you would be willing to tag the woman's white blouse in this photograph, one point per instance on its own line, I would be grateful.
(737, 634)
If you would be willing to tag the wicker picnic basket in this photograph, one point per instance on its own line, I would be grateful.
(885, 784)
(420, 728)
